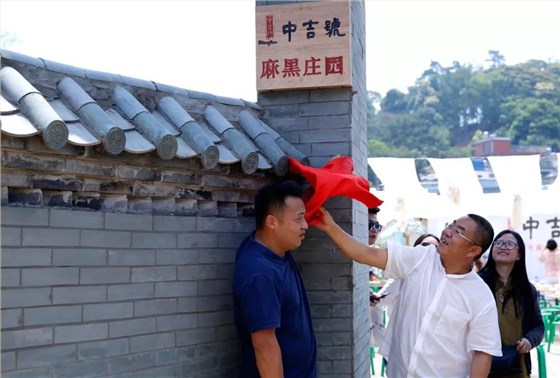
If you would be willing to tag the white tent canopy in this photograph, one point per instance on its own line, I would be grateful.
(522, 204)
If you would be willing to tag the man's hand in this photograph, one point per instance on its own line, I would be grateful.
(324, 219)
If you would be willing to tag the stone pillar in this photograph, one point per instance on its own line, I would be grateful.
(323, 123)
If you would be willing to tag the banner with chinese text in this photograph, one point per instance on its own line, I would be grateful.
(303, 45)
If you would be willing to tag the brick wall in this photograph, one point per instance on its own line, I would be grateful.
(89, 293)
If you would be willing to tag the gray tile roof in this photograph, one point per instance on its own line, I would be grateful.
(66, 104)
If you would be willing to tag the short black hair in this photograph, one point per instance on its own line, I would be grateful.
(484, 231)
(551, 244)
(270, 199)
(373, 210)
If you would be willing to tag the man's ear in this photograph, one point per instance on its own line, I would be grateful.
(474, 251)
(271, 222)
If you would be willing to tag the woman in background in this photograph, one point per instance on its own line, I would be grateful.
(519, 314)
(550, 256)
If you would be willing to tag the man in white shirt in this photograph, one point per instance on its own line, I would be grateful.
(446, 322)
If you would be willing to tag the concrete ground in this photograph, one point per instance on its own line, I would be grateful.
(552, 361)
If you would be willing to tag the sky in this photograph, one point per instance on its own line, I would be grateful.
(209, 45)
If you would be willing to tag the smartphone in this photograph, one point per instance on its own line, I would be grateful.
(374, 298)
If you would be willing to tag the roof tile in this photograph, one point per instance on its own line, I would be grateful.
(89, 107)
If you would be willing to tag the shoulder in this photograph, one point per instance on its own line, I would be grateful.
(533, 289)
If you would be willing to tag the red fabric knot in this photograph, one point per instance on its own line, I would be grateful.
(333, 179)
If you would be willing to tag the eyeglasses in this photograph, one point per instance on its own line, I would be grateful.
(373, 225)
(509, 245)
(455, 231)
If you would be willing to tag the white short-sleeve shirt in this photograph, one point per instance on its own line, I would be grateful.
(439, 319)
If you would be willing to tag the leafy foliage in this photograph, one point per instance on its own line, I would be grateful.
(448, 108)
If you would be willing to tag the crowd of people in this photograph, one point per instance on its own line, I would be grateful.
(445, 318)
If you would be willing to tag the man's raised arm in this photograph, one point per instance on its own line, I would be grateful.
(351, 247)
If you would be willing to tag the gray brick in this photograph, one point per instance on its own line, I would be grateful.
(176, 257)
(152, 342)
(11, 236)
(204, 304)
(334, 353)
(49, 276)
(52, 315)
(154, 274)
(27, 338)
(24, 216)
(79, 294)
(174, 223)
(12, 318)
(14, 179)
(8, 361)
(81, 332)
(228, 210)
(130, 291)
(102, 349)
(79, 257)
(90, 168)
(109, 239)
(155, 307)
(208, 208)
(332, 136)
(197, 240)
(195, 336)
(50, 237)
(42, 372)
(132, 327)
(76, 219)
(131, 362)
(159, 372)
(216, 256)
(228, 332)
(163, 206)
(170, 356)
(334, 94)
(104, 311)
(225, 271)
(12, 257)
(214, 287)
(243, 226)
(46, 356)
(213, 319)
(328, 122)
(114, 202)
(132, 257)
(25, 297)
(332, 325)
(4, 196)
(230, 241)
(104, 275)
(135, 222)
(153, 240)
(10, 277)
(175, 322)
(213, 224)
(82, 369)
(197, 272)
(20, 160)
(329, 149)
(175, 289)
(186, 207)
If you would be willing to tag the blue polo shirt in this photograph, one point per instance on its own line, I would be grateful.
(268, 292)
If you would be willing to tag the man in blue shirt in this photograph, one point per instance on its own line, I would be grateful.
(270, 304)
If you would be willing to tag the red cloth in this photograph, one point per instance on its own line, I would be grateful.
(334, 179)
